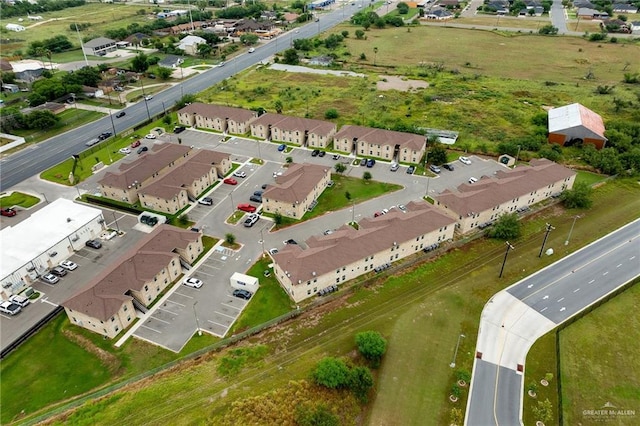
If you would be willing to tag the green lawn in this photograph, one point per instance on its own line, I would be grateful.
(18, 199)
(421, 312)
(69, 119)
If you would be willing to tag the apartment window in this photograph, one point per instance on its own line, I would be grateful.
(344, 277)
(146, 287)
(308, 292)
(125, 308)
(113, 319)
(117, 328)
(128, 318)
(337, 280)
(365, 267)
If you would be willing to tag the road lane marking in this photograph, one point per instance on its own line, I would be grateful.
(545, 297)
(543, 309)
(619, 265)
(576, 290)
(231, 306)
(183, 295)
(152, 329)
(224, 315)
(562, 309)
(561, 299)
(632, 257)
(591, 282)
(605, 273)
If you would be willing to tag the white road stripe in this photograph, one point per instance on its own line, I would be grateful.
(149, 328)
(224, 315)
(213, 322)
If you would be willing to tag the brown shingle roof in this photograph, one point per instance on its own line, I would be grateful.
(507, 185)
(289, 123)
(346, 245)
(169, 185)
(141, 169)
(238, 115)
(206, 156)
(382, 137)
(296, 183)
(104, 295)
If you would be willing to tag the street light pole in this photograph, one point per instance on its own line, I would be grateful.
(233, 209)
(262, 240)
(113, 126)
(146, 104)
(115, 219)
(566, 243)
(428, 180)
(455, 353)
(509, 247)
(195, 315)
(544, 241)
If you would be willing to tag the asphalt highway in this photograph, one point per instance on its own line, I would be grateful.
(514, 318)
(34, 160)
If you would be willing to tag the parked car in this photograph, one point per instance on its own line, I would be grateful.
(336, 157)
(315, 153)
(258, 193)
(179, 129)
(282, 147)
(448, 167)
(125, 151)
(68, 265)
(247, 208)
(230, 181)
(394, 167)
(192, 282)
(135, 144)
(58, 271)
(9, 308)
(256, 198)
(49, 278)
(402, 207)
(434, 168)
(371, 162)
(290, 241)
(19, 300)
(251, 50)
(9, 212)
(464, 160)
(376, 214)
(152, 76)
(150, 136)
(206, 201)
(411, 169)
(121, 114)
(148, 97)
(472, 180)
(264, 185)
(251, 220)
(93, 244)
(328, 232)
(322, 154)
(363, 162)
(142, 149)
(273, 251)
(242, 294)
(239, 174)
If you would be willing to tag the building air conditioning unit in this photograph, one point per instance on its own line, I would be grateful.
(53, 254)
(31, 269)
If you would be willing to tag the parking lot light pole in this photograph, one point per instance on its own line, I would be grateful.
(233, 209)
(195, 315)
(544, 241)
(455, 353)
(113, 126)
(566, 242)
(509, 247)
(115, 219)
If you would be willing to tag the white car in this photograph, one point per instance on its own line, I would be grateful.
(206, 201)
(148, 98)
(68, 265)
(49, 278)
(192, 282)
(464, 160)
(124, 151)
(251, 50)
(10, 308)
(472, 180)
(239, 174)
(273, 251)
(19, 300)
(150, 136)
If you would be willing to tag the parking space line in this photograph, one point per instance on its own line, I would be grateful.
(213, 322)
(166, 310)
(183, 295)
(204, 273)
(159, 332)
(230, 306)
(158, 319)
(225, 315)
(176, 303)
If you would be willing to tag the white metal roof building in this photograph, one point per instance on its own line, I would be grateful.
(43, 240)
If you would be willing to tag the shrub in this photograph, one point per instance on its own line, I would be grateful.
(332, 373)
(331, 113)
(372, 346)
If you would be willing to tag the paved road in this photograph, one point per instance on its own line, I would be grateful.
(514, 318)
(558, 17)
(28, 162)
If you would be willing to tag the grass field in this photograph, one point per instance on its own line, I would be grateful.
(421, 312)
(18, 199)
(69, 119)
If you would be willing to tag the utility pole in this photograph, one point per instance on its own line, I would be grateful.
(509, 247)
(455, 353)
(566, 243)
(546, 234)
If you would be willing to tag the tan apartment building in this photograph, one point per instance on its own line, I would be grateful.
(295, 130)
(217, 117)
(508, 191)
(106, 305)
(379, 143)
(348, 253)
(296, 190)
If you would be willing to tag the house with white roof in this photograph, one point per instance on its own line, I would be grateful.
(190, 44)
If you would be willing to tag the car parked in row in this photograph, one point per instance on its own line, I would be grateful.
(142, 149)
(472, 180)
(434, 168)
(58, 271)
(206, 201)
(464, 160)
(49, 278)
(251, 220)
(394, 167)
(179, 129)
(230, 181)
(9, 212)
(448, 167)
(411, 169)
(242, 294)
(95, 244)
(239, 174)
(125, 151)
(315, 152)
(192, 282)
(9, 308)
(19, 300)
(371, 162)
(135, 144)
(247, 208)
(69, 265)
(256, 198)
(282, 147)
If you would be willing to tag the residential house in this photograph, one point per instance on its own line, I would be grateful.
(625, 8)
(386, 144)
(576, 124)
(187, 27)
(248, 26)
(27, 70)
(290, 18)
(107, 304)
(297, 190)
(92, 92)
(474, 205)
(584, 3)
(635, 26)
(295, 130)
(321, 4)
(587, 13)
(99, 46)
(171, 61)
(438, 13)
(449, 4)
(348, 253)
(190, 44)
(217, 117)
(135, 39)
(615, 26)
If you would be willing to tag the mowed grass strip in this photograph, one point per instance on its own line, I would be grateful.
(18, 199)
(453, 288)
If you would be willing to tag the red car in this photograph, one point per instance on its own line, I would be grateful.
(230, 181)
(247, 208)
(12, 212)
(135, 144)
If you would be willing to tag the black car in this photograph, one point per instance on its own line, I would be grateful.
(315, 153)
(256, 198)
(242, 294)
(290, 241)
(410, 170)
(93, 244)
(264, 186)
(179, 129)
(336, 157)
(121, 114)
(142, 149)
(322, 154)
(104, 135)
(448, 167)
(371, 162)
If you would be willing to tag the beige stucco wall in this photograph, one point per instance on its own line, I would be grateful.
(110, 328)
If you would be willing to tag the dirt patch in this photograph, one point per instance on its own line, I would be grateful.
(110, 361)
(389, 82)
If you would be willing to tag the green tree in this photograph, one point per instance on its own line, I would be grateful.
(184, 100)
(579, 197)
(345, 33)
(164, 73)
(340, 168)
(36, 99)
(278, 106)
(438, 155)
(139, 63)
(361, 382)
(204, 50)
(403, 8)
(507, 227)
(366, 176)
(548, 30)
(359, 34)
(183, 219)
(332, 373)
(347, 195)
(319, 416)
(277, 218)
(230, 238)
(41, 120)
(331, 113)
(249, 39)
(291, 57)
(166, 119)
(372, 346)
